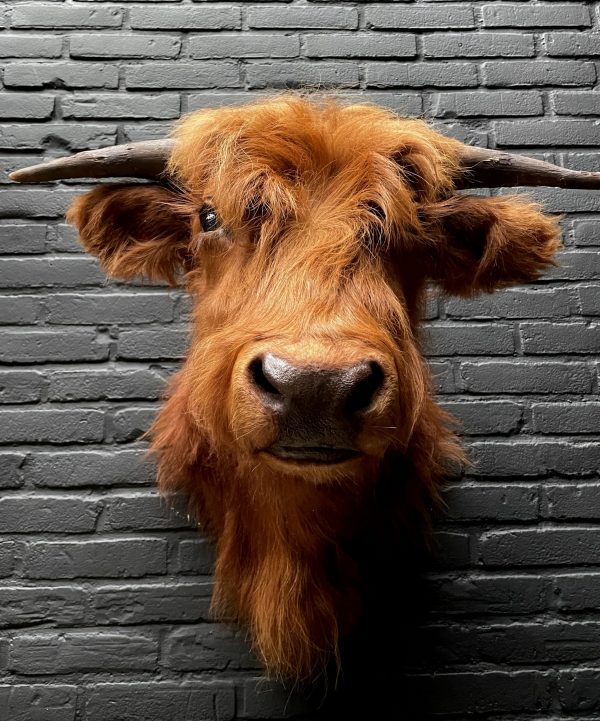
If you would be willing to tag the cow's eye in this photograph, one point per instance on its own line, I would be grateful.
(209, 220)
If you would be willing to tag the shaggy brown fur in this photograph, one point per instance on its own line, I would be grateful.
(333, 220)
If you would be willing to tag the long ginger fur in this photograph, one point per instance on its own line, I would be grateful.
(333, 220)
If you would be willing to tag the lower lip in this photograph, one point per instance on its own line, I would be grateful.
(314, 456)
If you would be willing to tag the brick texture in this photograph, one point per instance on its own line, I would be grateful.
(104, 588)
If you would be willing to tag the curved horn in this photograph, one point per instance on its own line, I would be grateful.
(481, 167)
(147, 159)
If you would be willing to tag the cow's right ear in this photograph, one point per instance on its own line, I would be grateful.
(134, 230)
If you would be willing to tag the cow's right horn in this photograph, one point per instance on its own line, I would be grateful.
(147, 159)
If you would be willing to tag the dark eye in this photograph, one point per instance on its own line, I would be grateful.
(209, 220)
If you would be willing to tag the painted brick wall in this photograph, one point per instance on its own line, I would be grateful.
(103, 591)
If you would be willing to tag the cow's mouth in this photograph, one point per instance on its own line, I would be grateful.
(313, 455)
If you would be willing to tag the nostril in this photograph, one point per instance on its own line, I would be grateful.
(369, 381)
(257, 374)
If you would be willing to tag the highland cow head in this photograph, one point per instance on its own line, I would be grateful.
(305, 232)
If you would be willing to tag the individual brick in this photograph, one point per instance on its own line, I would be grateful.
(10, 470)
(53, 15)
(216, 99)
(19, 309)
(144, 107)
(152, 344)
(571, 501)
(23, 106)
(524, 377)
(47, 346)
(10, 557)
(563, 200)
(579, 690)
(425, 17)
(185, 18)
(589, 299)
(491, 502)
(63, 238)
(502, 593)
(193, 556)
(21, 239)
(51, 272)
(403, 103)
(58, 701)
(478, 45)
(114, 558)
(587, 232)
(540, 546)
(60, 75)
(50, 652)
(51, 425)
(207, 647)
(356, 45)
(105, 308)
(536, 457)
(566, 418)
(31, 204)
(99, 385)
(299, 74)
(27, 605)
(501, 15)
(442, 339)
(485, 417)
(546, 132)
(485, 104)
(572, 44)
(94, 468)
(538, 73)
(158, 601)
(580, 102)
(575, 265)
(47, 514)
(71, 135)
(305, 18)
(123, 45)
(577, 590)
(588, 160)
(516, 643)
(138, 511)
(161, 700)
(131, 423)
(21, 386)
(548, 338)
(182, 75)
(514, 303)
(451, 549)
(146, 131)
(30, 46)
(243, 45)
(486, 692)
(417, 74)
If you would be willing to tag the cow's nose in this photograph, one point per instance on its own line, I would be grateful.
(316, 407)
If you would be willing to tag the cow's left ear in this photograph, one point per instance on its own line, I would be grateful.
(134, 230)
(477, 244)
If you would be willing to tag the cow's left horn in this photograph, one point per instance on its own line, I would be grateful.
(146, 159)
(484, 168)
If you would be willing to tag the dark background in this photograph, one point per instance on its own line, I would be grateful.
(103, 591)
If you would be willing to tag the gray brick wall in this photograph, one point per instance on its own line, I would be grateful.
(104, 591)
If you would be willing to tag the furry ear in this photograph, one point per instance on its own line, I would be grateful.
(477, 244)
(134, 230)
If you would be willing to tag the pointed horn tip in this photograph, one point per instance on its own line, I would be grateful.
(18, 176)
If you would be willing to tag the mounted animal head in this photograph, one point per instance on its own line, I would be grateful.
(305, 232)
